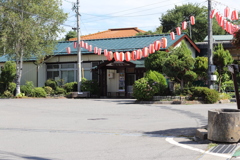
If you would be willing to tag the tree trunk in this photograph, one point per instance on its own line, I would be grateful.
(182, 84)
(19, 73)
(219, 84)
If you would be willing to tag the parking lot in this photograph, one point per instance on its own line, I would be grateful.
(99, 129)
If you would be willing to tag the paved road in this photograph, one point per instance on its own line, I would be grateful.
(99, 129)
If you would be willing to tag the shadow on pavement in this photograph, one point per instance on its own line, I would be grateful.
(9, 155)
(177, 132)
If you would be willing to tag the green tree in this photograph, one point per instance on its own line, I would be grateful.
(156, 31)
(155, 61)
(29, 28)
(221, 59)
(8, 74)
(70, 34)
(201, 67)
(179, 65)
(174, 17)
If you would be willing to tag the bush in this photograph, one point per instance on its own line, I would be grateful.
(144, 89)
(70, 87)
(60, 90)
(48, 89)
(7, 75)
(7, 93)
(225, 96)
(27, 89)
(12, 86)
(208, 96)
(51, 83)
(90, 85)
(39, 92)
(160, 80)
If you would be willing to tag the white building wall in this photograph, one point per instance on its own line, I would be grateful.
(29, 73)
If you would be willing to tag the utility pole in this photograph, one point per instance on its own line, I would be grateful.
(79, 58)
(210, 45)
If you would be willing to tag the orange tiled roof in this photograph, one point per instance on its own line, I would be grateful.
(111, 33)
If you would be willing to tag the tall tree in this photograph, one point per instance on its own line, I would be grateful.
(29, 28)
(174, 17)
(179, 65)
(155, 61)
(221, 59)
(201, 67)
(70, 34)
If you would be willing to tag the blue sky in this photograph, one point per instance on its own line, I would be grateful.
(101, 15)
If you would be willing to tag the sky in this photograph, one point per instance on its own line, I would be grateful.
(101, 15)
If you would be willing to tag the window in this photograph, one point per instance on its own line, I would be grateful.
(53, 75)
(68, 71)
(67, 76)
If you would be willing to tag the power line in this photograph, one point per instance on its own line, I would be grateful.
(132, 9)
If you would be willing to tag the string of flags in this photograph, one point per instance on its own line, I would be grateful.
(136, 54)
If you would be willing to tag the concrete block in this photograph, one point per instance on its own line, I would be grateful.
(201, 134)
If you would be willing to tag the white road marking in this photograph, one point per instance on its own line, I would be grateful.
(171, 140)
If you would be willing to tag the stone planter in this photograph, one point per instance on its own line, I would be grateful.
(224, 125)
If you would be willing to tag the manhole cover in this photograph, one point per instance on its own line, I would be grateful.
(95, 119)
(224, 148)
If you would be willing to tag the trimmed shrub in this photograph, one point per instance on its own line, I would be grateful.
(208, 96)
(12, 86)
(48, 89)
(90, 85)
(70, 87)
(60, 90)
(159, 79)
(144, 89)
(39, 92)
(51, 83)
(7, 93)
(27, 89)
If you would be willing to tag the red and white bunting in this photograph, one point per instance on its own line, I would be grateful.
(95, 50)
(184, 25)
(172, 34)
(178, 30)
(116, 56)
(75, 44)
(234, 15)
(139, 54)
(164, 42)
(99, 51)
(68, 50)
(145, 52)
(128, 56)
(213, 13)
(86, 46)
(157, 45)
(151, 48)
(192, 20)
(90, 48)
(105, 52)
(110, 55)
(82, 44)
(121, 56)
(134, 55)
(226, 12)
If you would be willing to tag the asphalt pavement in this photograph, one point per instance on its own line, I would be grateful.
(103, 129)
